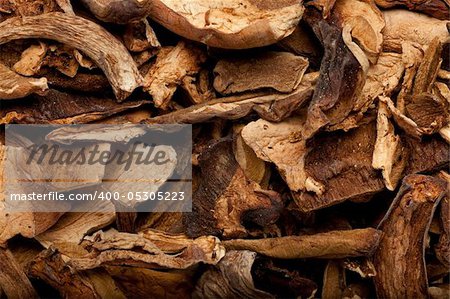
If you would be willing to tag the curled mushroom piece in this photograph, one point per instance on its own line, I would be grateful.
(403, 242)
(14, 86)
(103, 48)
(232, 24)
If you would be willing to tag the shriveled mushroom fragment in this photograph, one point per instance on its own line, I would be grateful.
(63, 108)
(103, 48)
(62, 58)
(348, 175)
(50, 267)
(198, 88)
(388, 154)
(14, 86)
(171, 66)
(13, 280)
(148, 249)
(270, 106)
(282, 144)
(428, 68)
(229, 24)
(139, 36)
(427, 155)
(231, 277)
(226, 198)
(280, 71)
(31, 60)
(439, 9)
(403, 25)
(119, 11)
(403, 242)
(333, 244)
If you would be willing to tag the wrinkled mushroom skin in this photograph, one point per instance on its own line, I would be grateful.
(119, 11)
(102, 47)
(399, 259)
(438, 9)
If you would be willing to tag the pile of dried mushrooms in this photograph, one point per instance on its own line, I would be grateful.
(320, 146)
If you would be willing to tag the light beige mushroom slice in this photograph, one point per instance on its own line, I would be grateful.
(14, 86)
(403, 25)
(232, 24)
(94, 41)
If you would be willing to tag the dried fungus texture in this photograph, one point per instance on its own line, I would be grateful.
(404, 235)
(320, 148)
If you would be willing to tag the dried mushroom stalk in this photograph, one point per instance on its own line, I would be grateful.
(403, 242)
(333, 244)
(148, 249)
(14, 86)
(442, 249)
(103, 48)
(229, 24)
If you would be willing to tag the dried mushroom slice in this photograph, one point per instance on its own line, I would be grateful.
(15, 86)
(148, 249)
(439, 9)
(269, 105)
(231, 277)
(341, 77)
(63, 108)
(13, 281)
(329, 245)
(226, 198)
(102, 47)
(342, 163)
(229, 24)
(365, 23)
(171, 66)
(139, 36)
(31, 60)
(403, 26)
(280, 71)
(403, 241)
(282, 144)
(388, 154)
(119, 11)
